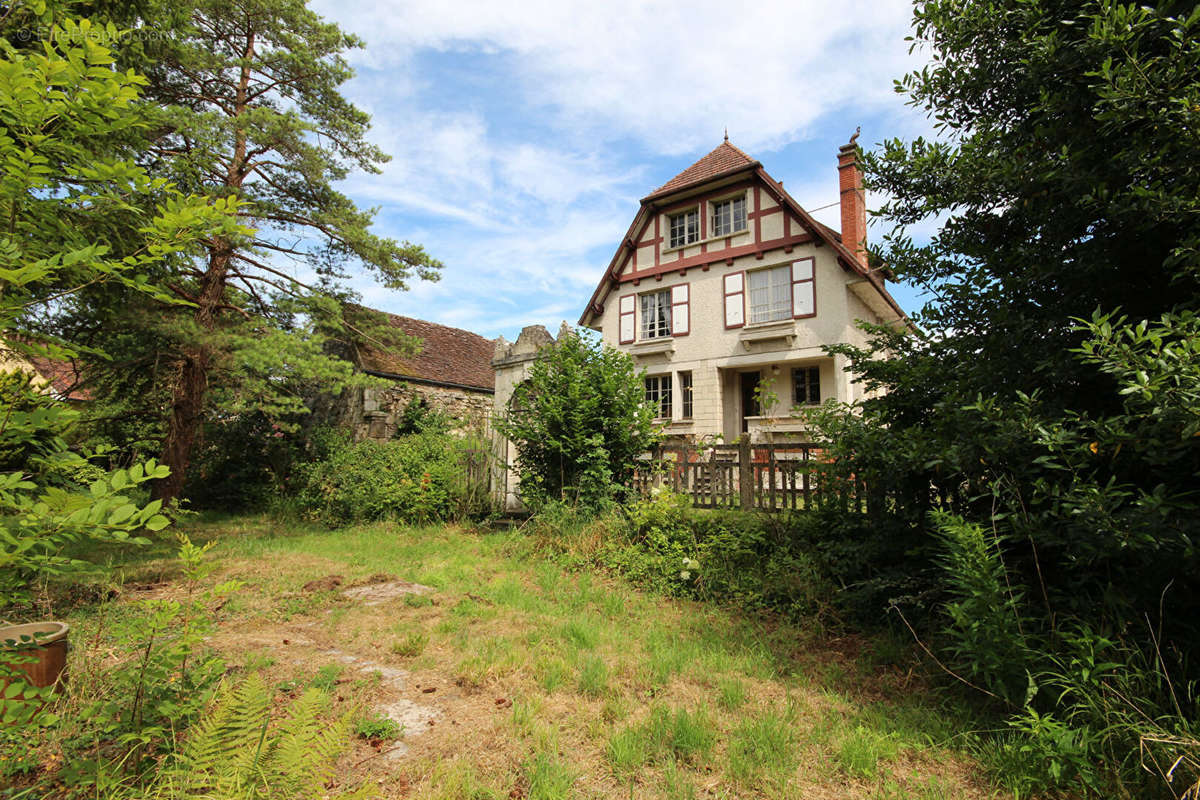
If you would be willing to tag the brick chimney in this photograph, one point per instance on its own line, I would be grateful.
(854, 205)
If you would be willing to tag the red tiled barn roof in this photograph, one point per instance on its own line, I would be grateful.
(723, 160)
(449, 356)
(62, 376)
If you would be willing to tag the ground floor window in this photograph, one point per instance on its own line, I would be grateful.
(658, 395)
(806, 383)
(685, 394)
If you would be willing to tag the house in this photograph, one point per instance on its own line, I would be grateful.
(726, 291)
(451, 373)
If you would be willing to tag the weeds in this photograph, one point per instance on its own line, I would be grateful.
(378, 727)
(732, 694)
(593, 677)
(664, 735)
(861, 749)
(549, 778)
(411, 645)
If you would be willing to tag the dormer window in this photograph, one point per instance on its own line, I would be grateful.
(685, 228)
(729, 216)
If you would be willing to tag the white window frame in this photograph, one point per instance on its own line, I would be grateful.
(687, 389)
(736, 224)
(772, 302)
(658, 394)
(690, 228)
(658, 325)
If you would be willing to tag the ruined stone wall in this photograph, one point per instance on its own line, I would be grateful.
(511, 363)
(376, 413)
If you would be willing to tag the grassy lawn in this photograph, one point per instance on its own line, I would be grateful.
(504, 675)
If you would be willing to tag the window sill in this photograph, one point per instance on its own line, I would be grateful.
(710, 239)
(767, 331)
(664, 345)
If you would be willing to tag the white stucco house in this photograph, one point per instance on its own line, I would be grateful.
(723, 282)
(723, 285)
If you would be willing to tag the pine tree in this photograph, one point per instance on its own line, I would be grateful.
(244, 102)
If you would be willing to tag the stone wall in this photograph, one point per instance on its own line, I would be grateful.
(376, 413)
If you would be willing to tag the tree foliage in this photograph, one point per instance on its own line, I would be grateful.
(61, 105)
(243, 101)
(1049, 395)
(579, 423)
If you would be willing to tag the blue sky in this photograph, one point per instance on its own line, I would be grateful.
(523, 136)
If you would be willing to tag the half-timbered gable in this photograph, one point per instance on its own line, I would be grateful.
(726, 291)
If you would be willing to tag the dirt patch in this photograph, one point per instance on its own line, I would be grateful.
(326, 584)
(373, 594)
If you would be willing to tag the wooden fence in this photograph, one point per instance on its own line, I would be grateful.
(770, 477)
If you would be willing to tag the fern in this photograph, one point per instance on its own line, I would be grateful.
(236, 751)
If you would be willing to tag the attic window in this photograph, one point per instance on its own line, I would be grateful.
(729, 216)
(685, 228)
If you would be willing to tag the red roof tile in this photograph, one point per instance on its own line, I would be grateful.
(62, 376)
(723, 160)
(447, 355)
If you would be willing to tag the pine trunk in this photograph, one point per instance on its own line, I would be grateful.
(190, 391)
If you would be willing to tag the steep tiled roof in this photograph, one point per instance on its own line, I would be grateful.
(447, 355)
(723, 160)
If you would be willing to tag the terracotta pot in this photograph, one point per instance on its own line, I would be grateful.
(42, 647)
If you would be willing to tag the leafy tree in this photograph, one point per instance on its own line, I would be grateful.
(1049, 397)
(244, 102)
(579, 422)
(61, 106)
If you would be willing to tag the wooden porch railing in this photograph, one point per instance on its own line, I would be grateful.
(770, 477)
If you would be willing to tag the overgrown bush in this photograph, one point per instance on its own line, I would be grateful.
(659, 542)
(242, 749)
(985, 640)
(241, 463)
(119, 715)
(415, 479)
(56, 498)
(579, 423)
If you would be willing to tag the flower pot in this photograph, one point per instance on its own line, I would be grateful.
(38, 649)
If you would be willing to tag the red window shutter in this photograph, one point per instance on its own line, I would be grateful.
(627, 326)
(804, 288)
(681, 307)
(735, 300)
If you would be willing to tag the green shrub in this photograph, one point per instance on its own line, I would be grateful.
(984, 637)
(414, 479)
(579, 423)
(752, 560)
(241, 750)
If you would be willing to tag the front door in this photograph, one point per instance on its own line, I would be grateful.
(749, 400)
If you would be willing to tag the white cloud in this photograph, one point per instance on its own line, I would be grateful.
(671, 74)
(523, 175)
